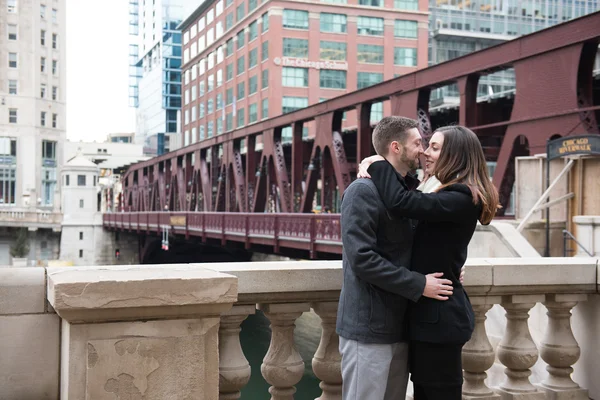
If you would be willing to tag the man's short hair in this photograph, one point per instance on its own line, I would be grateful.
(391, 129)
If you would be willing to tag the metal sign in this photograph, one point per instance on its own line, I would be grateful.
(571, 145)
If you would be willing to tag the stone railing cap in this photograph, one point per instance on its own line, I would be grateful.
(138, 292)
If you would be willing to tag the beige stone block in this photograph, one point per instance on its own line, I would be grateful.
(521, 396)
(29, 365)
(118, 293)
(22, 290)
(153, 360)
(478, 276)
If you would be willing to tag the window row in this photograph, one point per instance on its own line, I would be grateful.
(398, 4)
(13, 117)
(338, 23)
(13, 89)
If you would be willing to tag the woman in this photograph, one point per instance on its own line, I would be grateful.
(459, 194)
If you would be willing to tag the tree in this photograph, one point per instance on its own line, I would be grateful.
(20, 248)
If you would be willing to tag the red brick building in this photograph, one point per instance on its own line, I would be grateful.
(244, 61)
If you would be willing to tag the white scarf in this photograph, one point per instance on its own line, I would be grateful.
(430, 185)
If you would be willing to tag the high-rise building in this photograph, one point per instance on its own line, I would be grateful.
(459, 27)
(155, 71)
(32, 123)
(245, 60)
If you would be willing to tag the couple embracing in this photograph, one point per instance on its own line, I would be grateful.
(402, 306)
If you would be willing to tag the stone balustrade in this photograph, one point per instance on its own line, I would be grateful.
(17, 217)
(174, 331)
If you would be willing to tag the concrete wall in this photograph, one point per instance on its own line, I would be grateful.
(500, 239)
(107, 242)
(30, 332)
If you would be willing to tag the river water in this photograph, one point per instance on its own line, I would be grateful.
(255, 339)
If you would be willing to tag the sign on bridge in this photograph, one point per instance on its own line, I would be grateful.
(571, 145)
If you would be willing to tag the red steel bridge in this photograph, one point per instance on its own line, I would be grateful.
(229, 191)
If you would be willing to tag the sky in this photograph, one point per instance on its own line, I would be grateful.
(97, 70)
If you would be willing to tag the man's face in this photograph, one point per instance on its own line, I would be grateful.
(412, 149)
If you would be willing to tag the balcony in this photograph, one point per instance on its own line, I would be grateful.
(173, 331)
(31, 219)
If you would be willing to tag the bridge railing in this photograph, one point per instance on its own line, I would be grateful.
(173, 331)
(312, 232)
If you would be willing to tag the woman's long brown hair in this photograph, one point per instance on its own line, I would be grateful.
(462, 161)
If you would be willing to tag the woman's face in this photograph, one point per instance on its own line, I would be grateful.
(433, 152)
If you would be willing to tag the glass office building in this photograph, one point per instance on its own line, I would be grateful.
(155, 71)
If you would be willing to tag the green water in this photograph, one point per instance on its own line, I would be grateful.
(255, 339)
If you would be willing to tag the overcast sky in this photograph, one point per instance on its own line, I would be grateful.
(97, 70)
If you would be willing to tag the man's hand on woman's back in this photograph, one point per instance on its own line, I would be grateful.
(436, 287)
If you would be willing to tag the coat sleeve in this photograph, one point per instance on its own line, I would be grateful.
(450, 206)
(359, 219)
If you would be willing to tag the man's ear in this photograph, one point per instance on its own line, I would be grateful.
(395, 147)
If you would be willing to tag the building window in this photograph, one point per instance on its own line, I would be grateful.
(81, 251)
(229, 72)
(55, 120)
(12, 116)
(240, 118)
(370, 53)
(290, 104)
(264, 113)
(80, 235)
(229, 48)
(54, 16)
(201, 110)
(241, 90)
(43, 37)
(229, 96)
(252, 85)
(209, 129)
(295, 48)
(334, 23)
(43, 64)
(43, 90)
(252, 58)
(370, 26)
(11, 6)
(405, 56)
(252, 5)
(80, 203)
(265, 50)
(201, 129)
(12, 86)
(54, 93)
(201, 88)
(332, 79)
(405, 29)
(8, 170)
(252, 113)
(295, 19)
(228, 21)
(240, 39)
(80, 180)
(12, 32)
(376, 112)
(265, 22)
(54, 67)
(240, 12)
(48, 181)
(294, 77)
(42, 11)
(406, 4)
(12, 60)
(241, 65)
(252, 31)
(372, 3)
(67, 180)
(228, 122)
(210, 106)
(219, 101)
(54, 41)
(334, 51)
(43, 118)
(265, 78)
(366, 79)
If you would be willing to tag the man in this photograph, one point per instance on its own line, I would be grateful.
(377, 282)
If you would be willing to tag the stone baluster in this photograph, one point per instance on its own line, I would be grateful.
(560, 350)
(283, 366)
(327, 360)
(517, 350)
(234, 370)
(478, 354)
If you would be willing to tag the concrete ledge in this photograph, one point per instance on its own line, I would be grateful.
(138, 292)
(587, 219)
(22, 290)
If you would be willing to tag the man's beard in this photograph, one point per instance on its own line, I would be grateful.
(411, 163)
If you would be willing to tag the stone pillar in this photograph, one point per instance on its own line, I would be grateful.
(478, 354)
(234, 370)
(141, 331)
(283, 366)
(517, 351)
(327, 360)
(560, 350)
